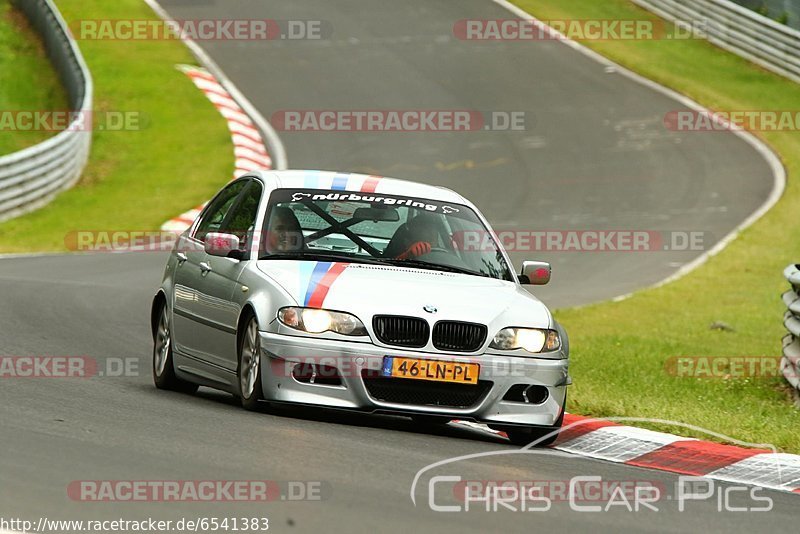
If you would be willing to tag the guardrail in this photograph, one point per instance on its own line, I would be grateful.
(790, 363)
(783, 11)
(32, 177)
(730, 26)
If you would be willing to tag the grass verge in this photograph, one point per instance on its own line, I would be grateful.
(27, 81)
(621, 350)
(176, 155)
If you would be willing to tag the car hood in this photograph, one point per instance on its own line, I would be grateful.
(367, 290)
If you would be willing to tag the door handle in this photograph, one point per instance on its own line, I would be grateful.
(181, 257)
(205, 267)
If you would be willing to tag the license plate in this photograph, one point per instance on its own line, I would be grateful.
(437, 371)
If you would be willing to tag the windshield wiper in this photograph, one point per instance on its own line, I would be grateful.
(320, 256)
(433, 266)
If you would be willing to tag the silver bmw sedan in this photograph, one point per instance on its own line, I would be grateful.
(359, 292)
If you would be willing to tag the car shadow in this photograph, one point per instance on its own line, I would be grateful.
(351, 418)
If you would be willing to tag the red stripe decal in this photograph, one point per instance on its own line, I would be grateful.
(321, 291)
(370, 184)
(693, 457)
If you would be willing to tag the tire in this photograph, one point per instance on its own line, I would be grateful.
(248, 371)
(163, 364)
(430, 421)
(522, 436)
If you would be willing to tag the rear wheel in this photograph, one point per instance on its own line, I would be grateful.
(163, 367)
(249, 372)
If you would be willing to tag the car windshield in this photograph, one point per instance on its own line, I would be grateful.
(378, 228)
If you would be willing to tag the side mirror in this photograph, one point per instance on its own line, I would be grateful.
(222, 245)
(535, 272)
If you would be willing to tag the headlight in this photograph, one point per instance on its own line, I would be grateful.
(530, 339)
(316, 321)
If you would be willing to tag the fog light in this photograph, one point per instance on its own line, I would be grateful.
(535, 394)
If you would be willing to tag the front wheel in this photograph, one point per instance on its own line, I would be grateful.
(249, 372)
(525, 435)
(430, 421)
(163, 369)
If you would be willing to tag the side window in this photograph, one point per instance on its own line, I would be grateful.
(218, 210)
(241, 220)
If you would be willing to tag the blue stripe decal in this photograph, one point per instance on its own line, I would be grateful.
(340, 183)
(306, 269)
(320, 269)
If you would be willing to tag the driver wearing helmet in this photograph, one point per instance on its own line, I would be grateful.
(422, 234)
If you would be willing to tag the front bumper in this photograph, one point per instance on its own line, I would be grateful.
(498, 374)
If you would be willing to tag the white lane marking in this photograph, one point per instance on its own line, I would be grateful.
(778, 172)
(16, 255)
(277, 149)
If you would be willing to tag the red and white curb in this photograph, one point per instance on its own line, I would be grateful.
(249, 149)
(613, 442)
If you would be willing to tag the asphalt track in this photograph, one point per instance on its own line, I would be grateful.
(595, 154)
(595, 158)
